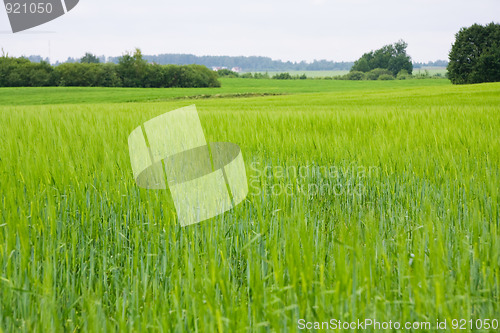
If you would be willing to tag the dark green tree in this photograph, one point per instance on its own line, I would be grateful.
(400, 62)
(475, 55)
(362, 64)
(132, 69)
(89, 58)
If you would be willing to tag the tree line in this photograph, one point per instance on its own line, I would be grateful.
(247, 64)
(437, 63)
(132, 70)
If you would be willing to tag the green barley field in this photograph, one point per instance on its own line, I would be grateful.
(367, 200)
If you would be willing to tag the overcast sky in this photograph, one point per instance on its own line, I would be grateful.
(339, 30)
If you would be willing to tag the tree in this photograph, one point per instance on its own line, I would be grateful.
(400, 62)
(132, 69)
(475, 55)
(89, 58)
(392, 57)
(362, 65)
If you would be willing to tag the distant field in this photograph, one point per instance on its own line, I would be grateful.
(430, 70)
(392, 212)
(309, 73)
(230, 87)
(313, 74)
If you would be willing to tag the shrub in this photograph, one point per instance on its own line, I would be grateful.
(261, 75)
(423, 74)
(197, 76)
(20, 72)
(87, 75)
(227, 73)
(403, 75)
(385, 77)
(282, 76)
(354, 75)
(375, 73)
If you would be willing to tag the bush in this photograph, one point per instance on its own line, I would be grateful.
(10, 73)
(155, 77)
(403, 75)
(385, 77)
(227, 73)
(20, 72)
(375, 73)
(282, 76)
(197, 76)
(354, 75)
(422, 74)
(261, 76)
(87, 75)
(287, 76)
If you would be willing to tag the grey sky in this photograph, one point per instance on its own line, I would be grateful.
(338, 30)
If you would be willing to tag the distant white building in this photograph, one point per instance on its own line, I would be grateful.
(234, 69)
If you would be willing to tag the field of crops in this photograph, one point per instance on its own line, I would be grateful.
(318, 74)
(366, 200)
(309, 73)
